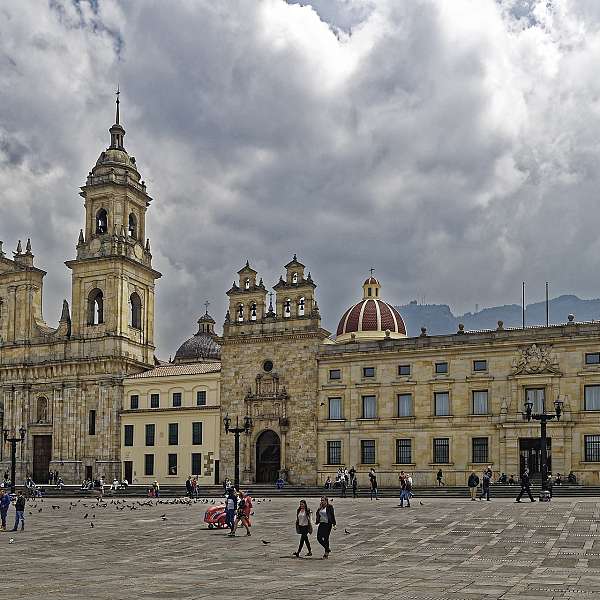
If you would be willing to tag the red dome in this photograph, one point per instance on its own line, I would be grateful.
(371, 314)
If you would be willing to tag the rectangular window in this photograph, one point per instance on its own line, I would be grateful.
(480, 365)
(150, 431)
(405, 405)
(134, 401)
(404, 370)
(173, 434)
(368, 371)
(480, 450)
(92, 423)
(148, 464)
(335, 374)
(369, 407)
(172, 464)
(592, 448)
(441, 450)
(197, 433)
(128, 435)
(154, 400)
(441, 368)
(196, 463)
(592, 397)
(201, 398)
(480, 402)
(536, 396)
(335, 409)
(334, 452)
(367, 452)
(176, 399)
(442, 403)
(403, 452)
(592, 358)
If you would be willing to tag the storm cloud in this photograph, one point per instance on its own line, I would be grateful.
(453, 146)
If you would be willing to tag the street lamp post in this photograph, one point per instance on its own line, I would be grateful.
(237, 430)
(13, 454)
(543, 418)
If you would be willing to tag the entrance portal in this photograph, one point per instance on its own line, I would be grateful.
(42, 454)
(530, 452)
(268, 457)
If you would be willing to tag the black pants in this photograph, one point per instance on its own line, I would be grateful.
(485, 493)
(323, 533)
(303, 538)
(525, 488)
(343, 491)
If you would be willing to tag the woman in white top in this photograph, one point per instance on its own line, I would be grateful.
(303, 527)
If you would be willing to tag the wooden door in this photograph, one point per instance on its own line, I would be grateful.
(42, 455)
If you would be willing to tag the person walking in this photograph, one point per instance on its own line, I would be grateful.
(525, 486)
(230, 508)
(355, 487)
(156, 489)
(326, 521)
(473, 483)
(352, 473)
(373, 481)
(4, 506)
(486, 481)
(343, 486)
(20, 507)
(439, 477)
(243, 513)
(407, 490)
(303, 527)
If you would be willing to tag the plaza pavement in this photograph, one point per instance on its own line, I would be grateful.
(450, 549)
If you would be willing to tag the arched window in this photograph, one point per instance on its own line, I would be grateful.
(294, 277)
(132, 229)
(253, 311)
(301, 304)
(240, 312)
(247, 283)
(95, 307)
(136, 310)
(42, 410)
(287, 308)
(101, 222)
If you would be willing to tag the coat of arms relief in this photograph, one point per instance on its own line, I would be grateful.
(535, 359)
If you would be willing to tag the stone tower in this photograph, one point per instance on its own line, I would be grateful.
(269, 371)
(65, 384)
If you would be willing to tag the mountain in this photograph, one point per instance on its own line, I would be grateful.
(439, 320)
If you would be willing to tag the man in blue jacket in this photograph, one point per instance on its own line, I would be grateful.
(4, 504)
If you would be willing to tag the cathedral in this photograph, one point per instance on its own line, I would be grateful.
(65, 384)
(94, 400)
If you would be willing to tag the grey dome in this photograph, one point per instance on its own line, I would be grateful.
(202, 346)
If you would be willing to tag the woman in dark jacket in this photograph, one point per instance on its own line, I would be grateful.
(303, 527)
(325, 520)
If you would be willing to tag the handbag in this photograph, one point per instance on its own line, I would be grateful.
(310, 527)
(298, 528)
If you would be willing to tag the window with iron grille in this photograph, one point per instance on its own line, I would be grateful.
(334, 452)
(480, 450)
(150, 431)
(196, 463)
(128, 435)
(592, 448)
(592, 397)
(405, 405)
(154, 400)
(404, 452)
(441, 403)
(335, 409)
(480, 402)
(441, 450)
(369, 407)
(176, 399)
(367, 452)
(197, 433)
(201, 398)
(148, 464)
(134, 401)
(173, 434)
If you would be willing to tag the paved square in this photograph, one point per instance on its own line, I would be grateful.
(453, 549)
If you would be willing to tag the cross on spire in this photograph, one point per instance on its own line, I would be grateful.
(207, 304)
(372, 270)
(118, 101)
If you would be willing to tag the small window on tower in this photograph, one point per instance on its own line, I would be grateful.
(369, 291)
(253, 311)
(301, 303)
(295, 278)
(136, 311)
(101, 222)
(240, 312)
(95, 307)
(287, 308)
(247, 283)
(132, 226)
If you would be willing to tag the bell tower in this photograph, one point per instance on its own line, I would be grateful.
(112, 276)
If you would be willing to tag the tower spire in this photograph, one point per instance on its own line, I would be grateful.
(118, 101)
(116, 131)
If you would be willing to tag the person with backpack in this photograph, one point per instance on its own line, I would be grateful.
(525, 486)
(473, 483)
(303, 527)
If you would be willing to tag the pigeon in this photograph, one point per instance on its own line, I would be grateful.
(421, 503)
(11, 541)
(93, 516)
(39, 510)
(55, 507)
(164, 518)
(91, 525)
(265, 542)
(85, 516)
(30, 513)
(346, 532)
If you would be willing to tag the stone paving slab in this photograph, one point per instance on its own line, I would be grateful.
(439, 550)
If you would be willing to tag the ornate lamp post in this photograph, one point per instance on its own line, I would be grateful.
(543, 418)
(13, 454)
(237, 430)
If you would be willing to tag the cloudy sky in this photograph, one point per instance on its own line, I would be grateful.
(453, 145)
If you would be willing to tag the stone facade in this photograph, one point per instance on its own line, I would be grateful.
(65, 384)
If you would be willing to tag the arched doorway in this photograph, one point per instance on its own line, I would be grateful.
(268, 457)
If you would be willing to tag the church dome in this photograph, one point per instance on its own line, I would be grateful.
(201, 347)
(370, 318)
